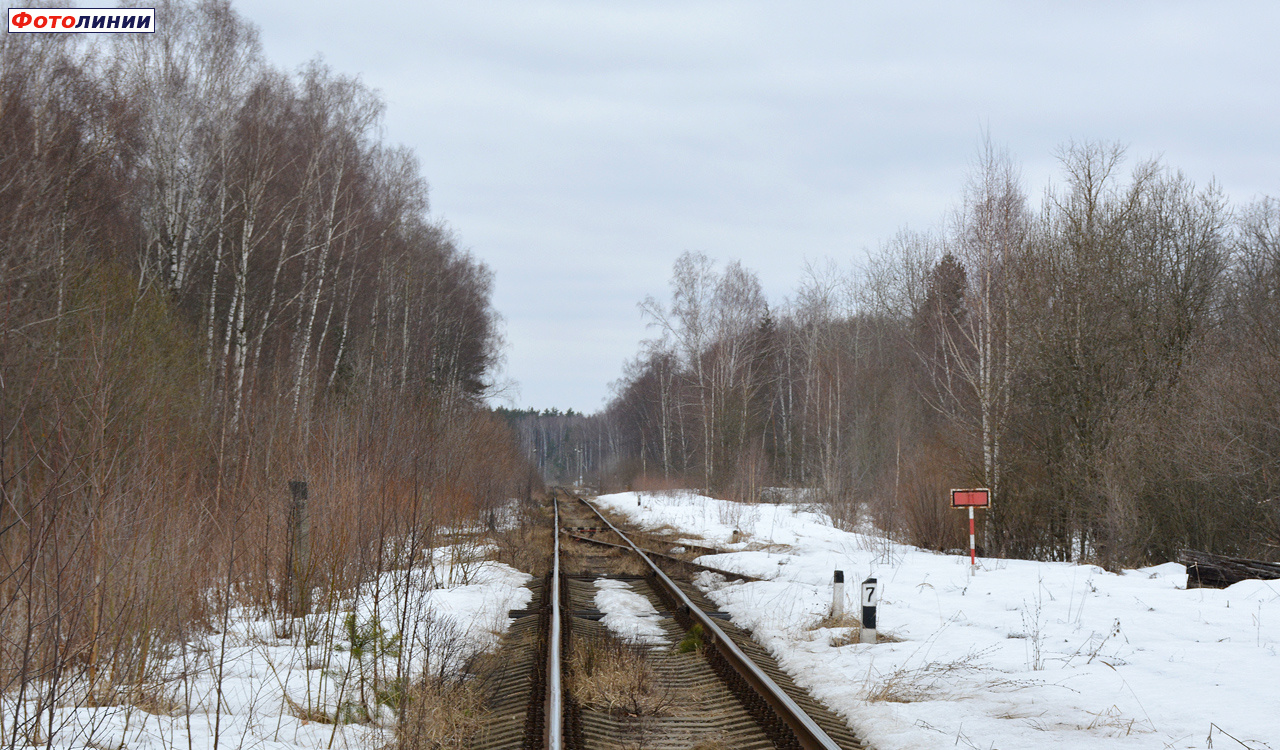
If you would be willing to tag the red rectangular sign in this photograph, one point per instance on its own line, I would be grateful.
(976, 498)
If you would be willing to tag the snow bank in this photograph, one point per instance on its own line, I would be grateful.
(274, 693)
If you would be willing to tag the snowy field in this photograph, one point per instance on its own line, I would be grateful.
(1021, 655)
(253, 689)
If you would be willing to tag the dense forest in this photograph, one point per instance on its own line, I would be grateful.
(565, 447)
(1107, 362)
(215, 278)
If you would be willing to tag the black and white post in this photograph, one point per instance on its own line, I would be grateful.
(870, 597)
(837, 596)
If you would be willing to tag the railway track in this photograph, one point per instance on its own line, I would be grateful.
(568, 682)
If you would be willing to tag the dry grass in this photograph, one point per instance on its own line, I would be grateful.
(1109, 722)
(308, 715)
(855, 636)
(667, 533)
(440, 716)
(850, 625)
(626, 565)
(581, 556)
(931, 681)
(1113, 718)
(852, 628)
(161, 700)
(608, 674)
(938, 680)
(775, 548)
(526, 548)
(718, 742)
(846, 620)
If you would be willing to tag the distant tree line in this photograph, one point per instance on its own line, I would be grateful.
(1107, 363)
(215, 277)
(564, 447)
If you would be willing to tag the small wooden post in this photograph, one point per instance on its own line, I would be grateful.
(299, 549)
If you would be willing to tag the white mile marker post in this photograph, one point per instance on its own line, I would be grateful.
(837, 596)
(870, 596)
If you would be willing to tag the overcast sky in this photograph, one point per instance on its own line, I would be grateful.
(578, 147)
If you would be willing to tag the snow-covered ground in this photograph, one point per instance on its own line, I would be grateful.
(283, 693)
(1021, 655)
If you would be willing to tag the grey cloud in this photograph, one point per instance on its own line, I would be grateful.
(579, 147)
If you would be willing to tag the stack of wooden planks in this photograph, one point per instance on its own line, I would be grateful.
(1218, 571)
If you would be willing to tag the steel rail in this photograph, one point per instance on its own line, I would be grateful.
(807, 731)
(554, 711)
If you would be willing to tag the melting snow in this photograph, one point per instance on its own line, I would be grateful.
(629, 614)
(1023, 654)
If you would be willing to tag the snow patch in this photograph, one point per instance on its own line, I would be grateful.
(628, 614)
(283, 693)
